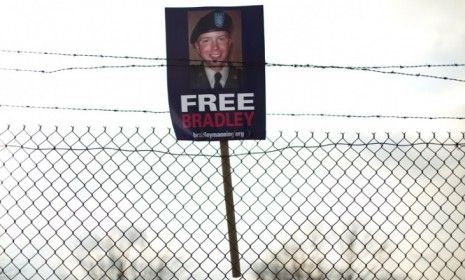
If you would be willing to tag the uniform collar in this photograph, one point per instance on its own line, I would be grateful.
(211, 75)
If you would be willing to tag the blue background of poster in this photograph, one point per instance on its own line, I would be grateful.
(253, 73)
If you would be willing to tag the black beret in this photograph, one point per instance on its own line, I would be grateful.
(216, 20)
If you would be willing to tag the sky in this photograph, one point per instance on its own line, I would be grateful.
(330, 32)
(334, 32)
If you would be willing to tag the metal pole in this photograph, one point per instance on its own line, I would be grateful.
(230, 213)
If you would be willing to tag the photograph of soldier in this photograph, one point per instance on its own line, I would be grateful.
(215, 40)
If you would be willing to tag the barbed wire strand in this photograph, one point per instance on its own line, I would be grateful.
(323, 115)
(412, 75)
(80, 55)
(100, 67)
(81, 109)
(275, 150)
(236, 62)
(367, 116)
(374, 68)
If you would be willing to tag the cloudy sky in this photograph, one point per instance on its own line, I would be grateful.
(330, 32)
(335, 32)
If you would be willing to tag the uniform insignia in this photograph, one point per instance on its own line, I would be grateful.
(218, 17)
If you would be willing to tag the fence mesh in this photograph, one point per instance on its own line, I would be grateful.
(129, 203)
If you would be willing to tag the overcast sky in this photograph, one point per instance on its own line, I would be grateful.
(365, 32)
(329, 32)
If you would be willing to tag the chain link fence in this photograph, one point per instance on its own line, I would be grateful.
(129, 203)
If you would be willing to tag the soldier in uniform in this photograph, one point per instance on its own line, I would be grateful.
(212, 41)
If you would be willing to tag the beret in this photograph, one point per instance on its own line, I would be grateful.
(216, 20)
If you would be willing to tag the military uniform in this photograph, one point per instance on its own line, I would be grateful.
(199, 80)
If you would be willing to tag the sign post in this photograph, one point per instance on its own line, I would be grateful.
(216, 84)
(230, 212)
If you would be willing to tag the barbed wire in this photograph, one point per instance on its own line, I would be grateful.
(81, 109)
(367, 116)
(81, 55)
(99, 67)
(233, 154)
(413, 75)
(236, 62)
(366, 66)
(323, 115)
(42, 71)
(374, 68)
